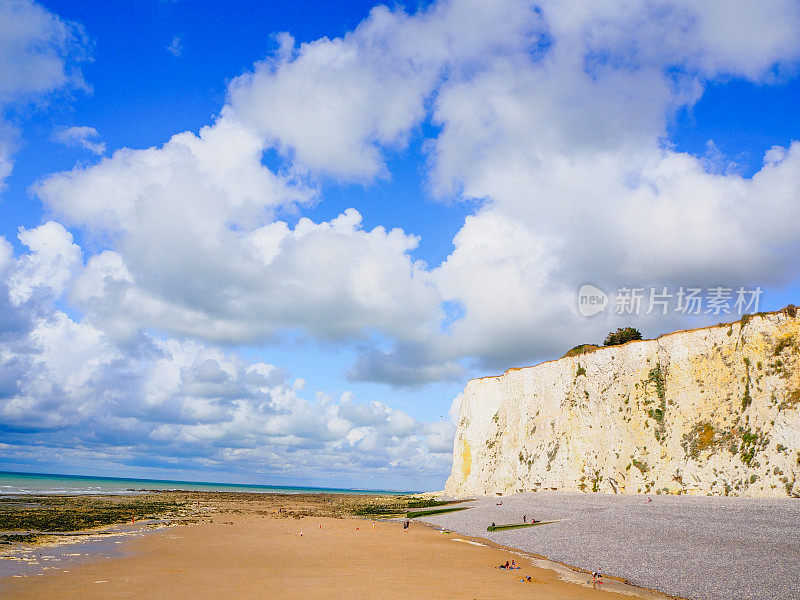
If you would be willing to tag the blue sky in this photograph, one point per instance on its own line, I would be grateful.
(227, 314)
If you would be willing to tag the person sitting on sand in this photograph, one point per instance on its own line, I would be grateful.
(505, 566)
(526, 579)
(513, 565)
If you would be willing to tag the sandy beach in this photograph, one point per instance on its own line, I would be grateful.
(248, 550)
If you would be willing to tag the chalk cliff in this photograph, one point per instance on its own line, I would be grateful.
(706, 411)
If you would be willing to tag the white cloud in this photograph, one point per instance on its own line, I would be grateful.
(334, 105)
(330, 104)
(33, 43)
(553, 116)
(175, 46)
(332, 280)
(745, 38)
(567, 153)
(406, 364)
(197, 251)
(48, 267)
(440, 438)
(162, 401)
(38, 56)
(207, 181)
(83, 136)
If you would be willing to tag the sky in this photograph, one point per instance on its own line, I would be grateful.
(264, 242)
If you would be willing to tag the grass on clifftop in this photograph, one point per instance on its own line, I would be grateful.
(581, 349)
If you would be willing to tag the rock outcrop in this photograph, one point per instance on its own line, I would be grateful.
(705, 411)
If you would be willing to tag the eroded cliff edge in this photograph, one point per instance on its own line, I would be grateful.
(706, 411)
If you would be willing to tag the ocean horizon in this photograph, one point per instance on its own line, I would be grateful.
(14, 483)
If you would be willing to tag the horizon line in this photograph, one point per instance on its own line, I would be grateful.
(245, 485)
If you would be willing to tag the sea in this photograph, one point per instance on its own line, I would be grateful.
(13, 483)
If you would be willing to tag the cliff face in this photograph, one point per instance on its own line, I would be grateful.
(713, 410)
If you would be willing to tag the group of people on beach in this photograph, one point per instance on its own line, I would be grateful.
(524, 520)
(512, 566)
(597, 576)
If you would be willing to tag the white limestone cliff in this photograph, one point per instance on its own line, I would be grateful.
(706, 411)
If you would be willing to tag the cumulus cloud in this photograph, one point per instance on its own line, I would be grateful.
(198, 252)
(39, 53)
(404, 364)
(51, 263)
(83, 136)
(554, 117)
(334, 105)
(34, 44)
(184, 404)
(568, 153)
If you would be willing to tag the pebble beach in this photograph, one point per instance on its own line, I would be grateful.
(709, 548)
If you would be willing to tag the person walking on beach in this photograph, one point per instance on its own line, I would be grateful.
(597, 576)
(524, 518)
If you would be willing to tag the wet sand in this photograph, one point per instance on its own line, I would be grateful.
(242, 552)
